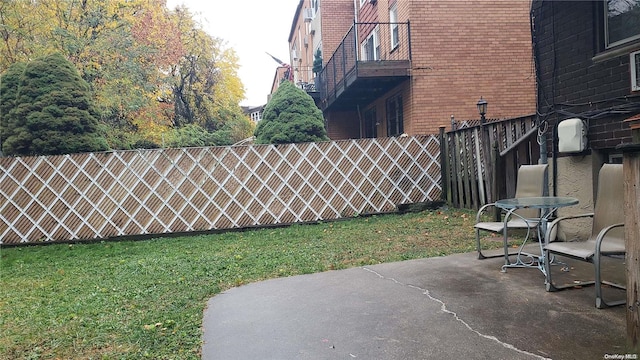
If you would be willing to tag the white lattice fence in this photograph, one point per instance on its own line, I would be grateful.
(102, 195)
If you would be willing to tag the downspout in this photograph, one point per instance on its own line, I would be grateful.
(355, 45)
(355, 11)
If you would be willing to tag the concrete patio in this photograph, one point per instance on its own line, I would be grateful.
(454, 307)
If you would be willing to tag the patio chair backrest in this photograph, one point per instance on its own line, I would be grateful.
(609, 207)
(530, 183)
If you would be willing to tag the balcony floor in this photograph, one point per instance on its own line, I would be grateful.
(365, 83)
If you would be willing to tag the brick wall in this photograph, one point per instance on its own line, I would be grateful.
(342, 125)
(466, 49)
(367, 13)
(337, 18)
(568, 37)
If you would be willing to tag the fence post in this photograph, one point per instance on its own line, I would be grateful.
(480, 179)
(488, 160)
(495, 165)
(455, 180)
(444, 167)
(631, 169)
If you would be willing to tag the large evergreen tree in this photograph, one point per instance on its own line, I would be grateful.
(9, 83)
(52, 113)
(290, 117)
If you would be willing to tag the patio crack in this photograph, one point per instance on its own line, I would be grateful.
(443, 308)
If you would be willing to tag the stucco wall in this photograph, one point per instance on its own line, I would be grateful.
(575, 179)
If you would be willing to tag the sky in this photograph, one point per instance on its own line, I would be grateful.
(251, 28)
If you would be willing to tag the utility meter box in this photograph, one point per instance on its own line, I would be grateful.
(572, 135)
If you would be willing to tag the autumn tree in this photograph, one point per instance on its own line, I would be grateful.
(150, 69)
(290, 116)
(52, 113)
(205, 79)
(237, 126)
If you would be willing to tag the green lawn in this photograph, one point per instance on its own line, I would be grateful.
(145, 299)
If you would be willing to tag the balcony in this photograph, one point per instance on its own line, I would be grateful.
(372, 59)
(304, 80)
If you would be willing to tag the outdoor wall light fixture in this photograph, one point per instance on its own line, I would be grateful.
(482, 109)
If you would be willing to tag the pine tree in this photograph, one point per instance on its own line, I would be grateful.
(317, 62)
(52, 113)
(290, 117)
(9, 84)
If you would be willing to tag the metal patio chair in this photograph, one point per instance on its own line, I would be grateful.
(530, 183)
(607, 234)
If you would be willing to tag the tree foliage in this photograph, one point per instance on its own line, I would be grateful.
(290, 117)
(317, 62)
(150, 69)
(52, 112)
(9, 84)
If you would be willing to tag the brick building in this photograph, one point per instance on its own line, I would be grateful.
(587, 56)
(282, 74)
(405, 66)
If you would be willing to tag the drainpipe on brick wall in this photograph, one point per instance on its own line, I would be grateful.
(355, 11)
(355, 28)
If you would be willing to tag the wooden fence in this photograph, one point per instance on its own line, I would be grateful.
(122, 193)
(481, 161)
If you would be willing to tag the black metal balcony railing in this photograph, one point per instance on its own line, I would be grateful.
(378, 43)
(308, 87)
(304, 80)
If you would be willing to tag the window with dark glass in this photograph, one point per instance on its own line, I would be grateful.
(370, 127)
(622, 21)
(395, 119)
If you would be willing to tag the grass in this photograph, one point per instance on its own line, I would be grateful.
(145, 299)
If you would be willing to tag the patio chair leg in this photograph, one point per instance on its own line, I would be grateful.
(600, 302)
(480, 254)
(547, 280)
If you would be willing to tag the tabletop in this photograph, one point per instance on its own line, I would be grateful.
(539, 202)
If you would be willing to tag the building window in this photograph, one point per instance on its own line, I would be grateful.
(393, 19)
(371, 46)
(370, 124)
(622, 21)
(315, 4)
(256, 115)
(362, 2)
(395, 120)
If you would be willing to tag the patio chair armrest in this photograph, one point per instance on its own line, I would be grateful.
(604, 232)
(482, 210)
(555, 223)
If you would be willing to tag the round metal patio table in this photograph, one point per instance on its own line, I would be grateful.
(547, 205)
